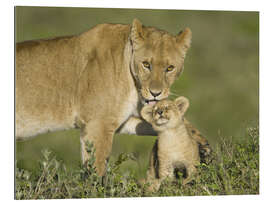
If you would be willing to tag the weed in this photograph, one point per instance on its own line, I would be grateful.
(232, 170)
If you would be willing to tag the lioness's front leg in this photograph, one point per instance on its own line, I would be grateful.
(138, 126)
(101, 136)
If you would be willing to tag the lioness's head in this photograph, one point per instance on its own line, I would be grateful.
(165, 113)
(157, 60)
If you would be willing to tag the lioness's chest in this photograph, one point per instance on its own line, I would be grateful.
(129, 106)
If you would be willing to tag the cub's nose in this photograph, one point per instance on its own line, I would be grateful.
(159, 111)
(155, 94)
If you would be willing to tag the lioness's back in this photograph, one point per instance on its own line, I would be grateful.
(48, 74)
(43, 86)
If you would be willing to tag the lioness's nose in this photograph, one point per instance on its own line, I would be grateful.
(155, 94)
(155, 88)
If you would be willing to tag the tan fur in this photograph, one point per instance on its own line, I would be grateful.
(174, 148)
(204, 147)
(95, 81)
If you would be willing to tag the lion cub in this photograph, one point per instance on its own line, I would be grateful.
(174, 149)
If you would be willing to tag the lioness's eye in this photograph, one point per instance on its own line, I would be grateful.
(146, 65)
(170, 68)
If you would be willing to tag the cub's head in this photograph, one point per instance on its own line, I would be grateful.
(165, 114)
(157, 60)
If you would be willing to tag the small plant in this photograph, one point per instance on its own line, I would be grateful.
(233, 169)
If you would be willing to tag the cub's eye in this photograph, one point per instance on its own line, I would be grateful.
(146, 65)
(170, 68)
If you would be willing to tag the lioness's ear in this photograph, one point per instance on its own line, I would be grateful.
(136, 34)
(146, 113)
(183, 40)
(182, 104)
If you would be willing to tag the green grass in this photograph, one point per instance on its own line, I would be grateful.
(232, 169)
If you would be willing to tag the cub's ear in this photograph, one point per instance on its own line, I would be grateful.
(146, 113)
(136, 34)
(183, 40)
(182, 104)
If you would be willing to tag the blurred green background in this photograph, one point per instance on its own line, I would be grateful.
(221, 76)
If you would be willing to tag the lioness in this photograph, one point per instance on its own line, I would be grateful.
(175, 149)
(98, 80)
